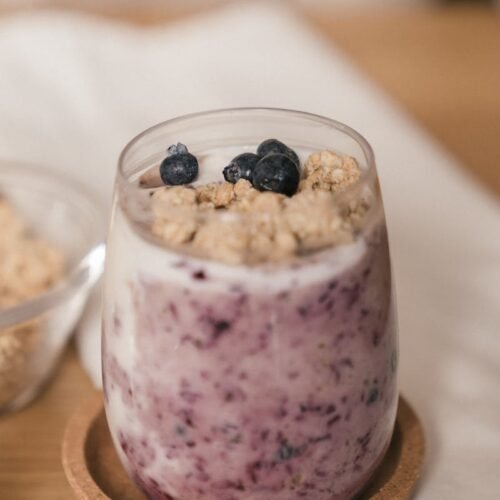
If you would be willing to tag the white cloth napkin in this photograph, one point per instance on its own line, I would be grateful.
(73, 90)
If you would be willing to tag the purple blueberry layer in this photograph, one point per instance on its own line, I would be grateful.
(245, 395)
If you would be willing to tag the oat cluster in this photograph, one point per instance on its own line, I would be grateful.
(328, 171)
(235, 223)
(28, 267)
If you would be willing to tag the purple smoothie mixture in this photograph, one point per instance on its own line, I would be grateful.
(238, 394)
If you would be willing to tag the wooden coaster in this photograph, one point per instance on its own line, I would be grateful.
(95, 473)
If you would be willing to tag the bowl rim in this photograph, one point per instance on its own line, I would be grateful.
(84, 272)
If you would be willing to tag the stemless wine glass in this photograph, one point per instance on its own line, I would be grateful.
(248, 382)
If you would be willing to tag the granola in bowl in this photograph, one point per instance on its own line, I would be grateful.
(29, 266)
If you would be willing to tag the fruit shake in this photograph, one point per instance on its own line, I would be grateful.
(249, 344)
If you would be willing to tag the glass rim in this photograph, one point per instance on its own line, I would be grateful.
(365, 146)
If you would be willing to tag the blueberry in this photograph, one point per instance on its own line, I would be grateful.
(179, 167)
(274, 146)
(241, 167)
(277, 173)
(372, 396)
(285, 452)
(177, 149)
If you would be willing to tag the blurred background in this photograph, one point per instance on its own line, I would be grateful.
(183, 5)
(433, 56)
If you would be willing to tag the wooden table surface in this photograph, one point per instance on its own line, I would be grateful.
(442, 66)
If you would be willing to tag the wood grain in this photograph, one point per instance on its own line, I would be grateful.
(30, 440)
(442, 66)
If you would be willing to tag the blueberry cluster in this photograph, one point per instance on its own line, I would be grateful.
(179, 167)
(274, 168)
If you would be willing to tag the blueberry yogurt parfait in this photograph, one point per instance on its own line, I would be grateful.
(249, 343)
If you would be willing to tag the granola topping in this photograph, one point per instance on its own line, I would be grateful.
(274, 227)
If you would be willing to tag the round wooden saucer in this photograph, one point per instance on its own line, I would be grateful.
(95, 473)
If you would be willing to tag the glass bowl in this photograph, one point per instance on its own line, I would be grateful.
(34, 333)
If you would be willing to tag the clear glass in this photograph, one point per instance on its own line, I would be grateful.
(247, 382)
(34, 333)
